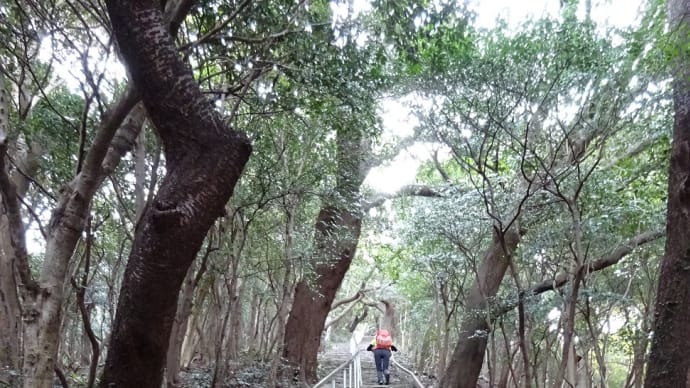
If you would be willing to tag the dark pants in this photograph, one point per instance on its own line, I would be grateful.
(382, 358)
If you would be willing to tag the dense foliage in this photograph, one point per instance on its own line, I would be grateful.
(559, 127)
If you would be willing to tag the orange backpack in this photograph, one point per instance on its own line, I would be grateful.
(383, 339)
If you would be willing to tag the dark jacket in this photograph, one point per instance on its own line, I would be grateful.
(371, 348)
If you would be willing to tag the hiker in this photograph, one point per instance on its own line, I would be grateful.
(382, 346)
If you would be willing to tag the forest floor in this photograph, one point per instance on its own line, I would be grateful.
(248, 373)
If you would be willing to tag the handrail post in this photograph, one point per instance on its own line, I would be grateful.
(359, 372)
(349, 375)
(352, 370)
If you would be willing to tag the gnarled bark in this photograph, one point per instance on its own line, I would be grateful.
(42, 299)
(204, 159)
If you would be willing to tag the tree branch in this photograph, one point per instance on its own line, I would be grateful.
(10, 200)
(216, 29)
(439, 167)
(359, 294)
(563, 278)
(405, 191)
(358, 319)
(124, 138)
(83, 309)
(355, 298)
(634, 150)
(175, 12)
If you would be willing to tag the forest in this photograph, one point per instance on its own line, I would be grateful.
(209, 193)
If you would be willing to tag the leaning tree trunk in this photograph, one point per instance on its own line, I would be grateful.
(468, 357)
(337, 232)
(313, 300)
(41, 299)
(204, 159)
(388, 321)
(668, 361)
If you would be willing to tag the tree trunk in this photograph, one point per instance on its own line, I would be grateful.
(337, 231)
(26, 159)
(139, 176)
(222, 348)
(424, 351)
(313, 303)
(194, 345)
(204, 160)
(567, 370)
(42, 300)
(9, 301)
(466, 362)
(234, 346)
(388, 322)
(636, 375)
(284, 302)
(444, 338)
(668, 361)
(179, 328)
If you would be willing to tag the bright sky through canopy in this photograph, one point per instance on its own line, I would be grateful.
(396, 117)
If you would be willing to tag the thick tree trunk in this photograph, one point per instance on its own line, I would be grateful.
(204, 159)
(337, 234)
(388, 321)
(42, 300)
(9, 302)
(337, 231)
(9, 305)
(468, 357)
(668, 360)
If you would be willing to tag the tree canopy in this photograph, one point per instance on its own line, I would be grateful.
(186, 187)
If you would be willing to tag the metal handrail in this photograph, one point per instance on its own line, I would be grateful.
(351, 377)
(409, 372)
